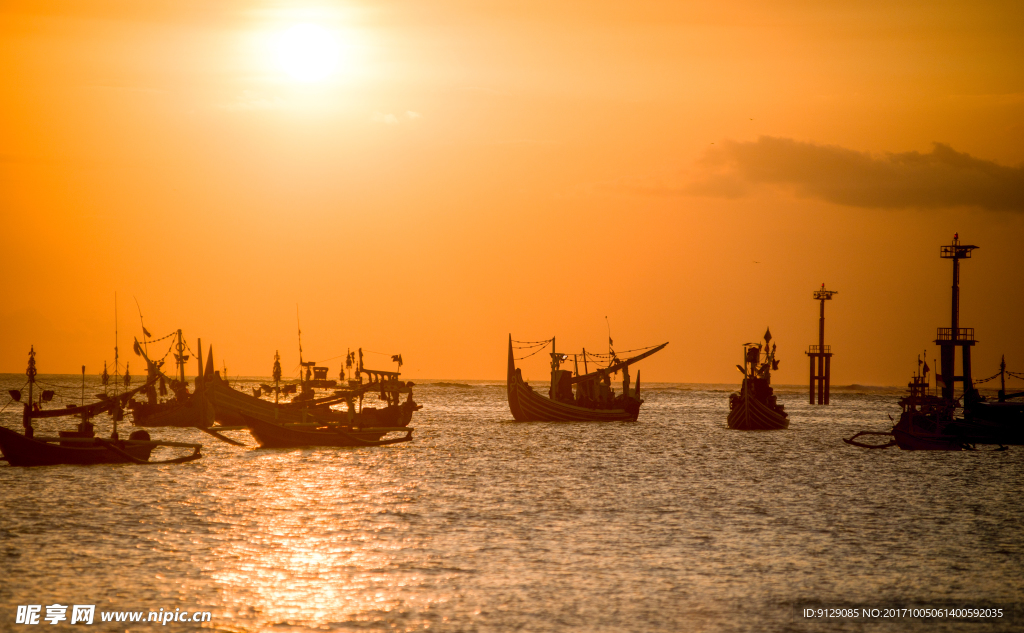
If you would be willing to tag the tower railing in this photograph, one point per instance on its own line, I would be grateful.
(962, 334)
(819, 349)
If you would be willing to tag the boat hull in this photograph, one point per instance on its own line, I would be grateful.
(916, 431)
(271, 435)
(750, 414)
(19, 450)
(194, 412)
(994, 422)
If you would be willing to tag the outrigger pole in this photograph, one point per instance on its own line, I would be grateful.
(114, 414)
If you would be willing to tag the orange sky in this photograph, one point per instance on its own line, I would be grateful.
(465, 172)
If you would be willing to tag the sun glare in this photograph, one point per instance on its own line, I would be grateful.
(307, 52)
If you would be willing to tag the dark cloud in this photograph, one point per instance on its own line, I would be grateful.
(941, 178)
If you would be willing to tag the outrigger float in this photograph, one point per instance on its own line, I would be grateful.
(755, 407)
(81, 446)
(593, 399)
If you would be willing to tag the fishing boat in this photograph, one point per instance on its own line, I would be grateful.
(24, 450)
(81, 446)
(928, 421)
(233, 408)
(183, 408)
(755, 407)
(1002, 419)
(320, 433)
(575, 396)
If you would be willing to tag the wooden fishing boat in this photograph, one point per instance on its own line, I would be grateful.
(271, 435)
(927, 422)
(755, 407)
(593, 399)
(80, 447)
(183, 409)
(1000, 420)
(232, 407)
(20, 450)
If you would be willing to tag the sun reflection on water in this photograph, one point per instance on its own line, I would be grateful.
(323, 545)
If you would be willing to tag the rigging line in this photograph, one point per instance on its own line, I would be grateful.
(616, 354)
(533, 354)
(532, 342)
(993, 377)
(157, 340)
(185, 341)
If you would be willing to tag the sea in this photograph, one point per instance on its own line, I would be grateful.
(670, 523)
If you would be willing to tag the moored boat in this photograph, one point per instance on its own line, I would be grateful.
(81, 446)
(320, 433)
(755, 407)
(22, 450)
(593, 399)
(183, 408)
(232, 407)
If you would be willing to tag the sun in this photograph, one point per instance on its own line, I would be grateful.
(308, 52)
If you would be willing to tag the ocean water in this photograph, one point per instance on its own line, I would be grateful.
(672, 523)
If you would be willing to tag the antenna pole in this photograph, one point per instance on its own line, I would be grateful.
(298, 323)
(145, 339)
(116, 375)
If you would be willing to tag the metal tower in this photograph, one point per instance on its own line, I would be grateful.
(821, 352)
(949, 338)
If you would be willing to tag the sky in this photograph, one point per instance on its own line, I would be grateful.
(426, 178)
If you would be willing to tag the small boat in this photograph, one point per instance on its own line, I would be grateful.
(593, 399)
(320, 433)
(927, 421)
(80, 447)
(755, 407)
(23, 450)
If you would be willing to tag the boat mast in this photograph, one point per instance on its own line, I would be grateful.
(83, 385)
(117, 407)
(181, 358)
(1002, 379)
(26, 420)
(298, 323)
(116, 375)
(277, 375)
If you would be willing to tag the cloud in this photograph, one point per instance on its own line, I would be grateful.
(941, 178)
